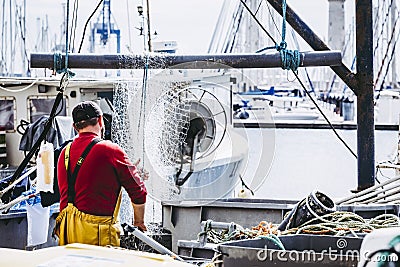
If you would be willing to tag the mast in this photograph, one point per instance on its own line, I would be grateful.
(11, 40)
(148, 26)
(394, 14)
(3, 38)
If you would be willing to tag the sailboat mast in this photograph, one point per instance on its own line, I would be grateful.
(3, 44)
(148, 26)
(11, 39)
(394, 15)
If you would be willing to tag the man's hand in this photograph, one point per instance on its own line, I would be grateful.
(138, 216)
(141, 226)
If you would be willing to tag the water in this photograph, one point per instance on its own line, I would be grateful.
(308, 159)
(290, 163)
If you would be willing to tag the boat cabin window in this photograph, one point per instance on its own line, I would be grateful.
(39, 106)
(7, 113)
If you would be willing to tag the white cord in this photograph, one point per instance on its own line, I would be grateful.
(19, 90)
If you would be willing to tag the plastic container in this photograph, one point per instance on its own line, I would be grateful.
(301, 250)
(45, 168)
(14, 231)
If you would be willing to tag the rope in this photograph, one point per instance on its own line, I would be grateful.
(87, 23)
(341, 223)
(290, 59)
(21, 89)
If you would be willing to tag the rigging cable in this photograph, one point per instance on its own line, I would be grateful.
(295, 72)
(73, 26)
(327, 120)
(259, 23)
(391, 57)
(218, 28)
(383, 24)
(346, 45)
(375, 20)
(386, 52)
(305, 69)
(23, 36)
(240, 11)
(86, 24)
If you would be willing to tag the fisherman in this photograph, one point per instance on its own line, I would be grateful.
(91, 172)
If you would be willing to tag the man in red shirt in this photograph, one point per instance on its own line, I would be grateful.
(90, 184)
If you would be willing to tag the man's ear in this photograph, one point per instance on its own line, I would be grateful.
(101, 121)
(73, 125)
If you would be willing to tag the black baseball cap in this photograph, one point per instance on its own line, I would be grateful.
(86, 110)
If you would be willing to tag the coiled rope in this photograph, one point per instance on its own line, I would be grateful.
(341, 223)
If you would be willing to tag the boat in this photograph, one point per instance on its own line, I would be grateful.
(281, 102)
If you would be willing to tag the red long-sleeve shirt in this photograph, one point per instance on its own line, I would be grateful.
(105, 169)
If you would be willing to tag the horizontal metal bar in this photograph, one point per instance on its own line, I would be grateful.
(161, 61)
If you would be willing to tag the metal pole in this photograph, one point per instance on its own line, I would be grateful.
(161, 61)
(365, 97)
(394, 15)
(315, 42)
(148, 25)
(152, 243)
(398, 151)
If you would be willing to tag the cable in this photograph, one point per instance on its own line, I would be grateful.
(23, 40)
(390, 60)
(73, 26)
(21, 89)
(322, 113)
(22, 125)
(86, 24)
(295, 73)
(258, 22)
(383, 24)
(386, 52)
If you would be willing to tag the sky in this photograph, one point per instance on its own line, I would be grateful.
(189, 22)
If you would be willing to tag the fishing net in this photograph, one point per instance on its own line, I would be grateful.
(150, 123)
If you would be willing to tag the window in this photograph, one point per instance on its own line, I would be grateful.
(41, 105)
(7, 113)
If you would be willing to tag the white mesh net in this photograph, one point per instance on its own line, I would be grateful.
(150, 123)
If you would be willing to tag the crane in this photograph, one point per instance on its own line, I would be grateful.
(105, 27)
